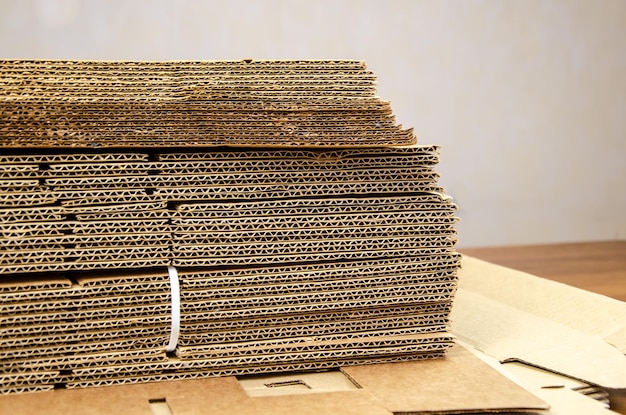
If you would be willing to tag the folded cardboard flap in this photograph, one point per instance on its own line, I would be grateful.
(548, 383)
(512, 316)
(565, 395)
(582, 310)
(460, 382)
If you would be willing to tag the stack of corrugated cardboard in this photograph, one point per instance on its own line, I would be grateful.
(147, 104)
(158, 223)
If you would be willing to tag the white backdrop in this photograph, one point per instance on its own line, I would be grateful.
(527, 98)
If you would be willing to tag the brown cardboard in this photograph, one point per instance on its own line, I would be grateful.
(372, 208)
(69, 104)
(425, 269)
(68, 158)
(200, 334)
(573, 400)
(217, 396)
(85, 314)
(32, 344)
(380, 389)
(105, 194)
(35, 214)
(428, 202)
(594, 314)
(489, 391)
(566, 395)
(496, 326)
(335, 285)
(375, 339)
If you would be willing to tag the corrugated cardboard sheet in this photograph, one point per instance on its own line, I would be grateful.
(306, 228)
(287, 260)
(193, 104)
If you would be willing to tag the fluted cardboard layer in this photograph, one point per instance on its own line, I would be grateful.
(120, 104)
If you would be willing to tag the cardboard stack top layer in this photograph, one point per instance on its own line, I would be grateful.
(152, 263)
(162, 104)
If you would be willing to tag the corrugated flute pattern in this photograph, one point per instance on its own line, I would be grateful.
(287, 258)
(163, 104)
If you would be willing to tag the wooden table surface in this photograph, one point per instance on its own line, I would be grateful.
(599, 267)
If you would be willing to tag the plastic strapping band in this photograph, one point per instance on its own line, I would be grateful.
(175, 294)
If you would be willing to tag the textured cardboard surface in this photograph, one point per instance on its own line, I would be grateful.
(82, 104)
(466, 384)
(382, 389)
(506, 326)
(222, 207)
(593, 314)
(229, 166)
(229, 396)
(106, 328)
(565, 395)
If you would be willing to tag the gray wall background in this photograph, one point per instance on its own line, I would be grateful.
(527, 98)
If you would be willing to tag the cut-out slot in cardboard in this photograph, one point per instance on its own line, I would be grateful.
(288, 383)
(160, 406)
(296, 383)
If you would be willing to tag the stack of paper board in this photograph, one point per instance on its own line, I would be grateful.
(287, 259)
(93, 211)
(54, 325)
(163, 104)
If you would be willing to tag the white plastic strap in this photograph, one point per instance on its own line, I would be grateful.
(175, 294)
